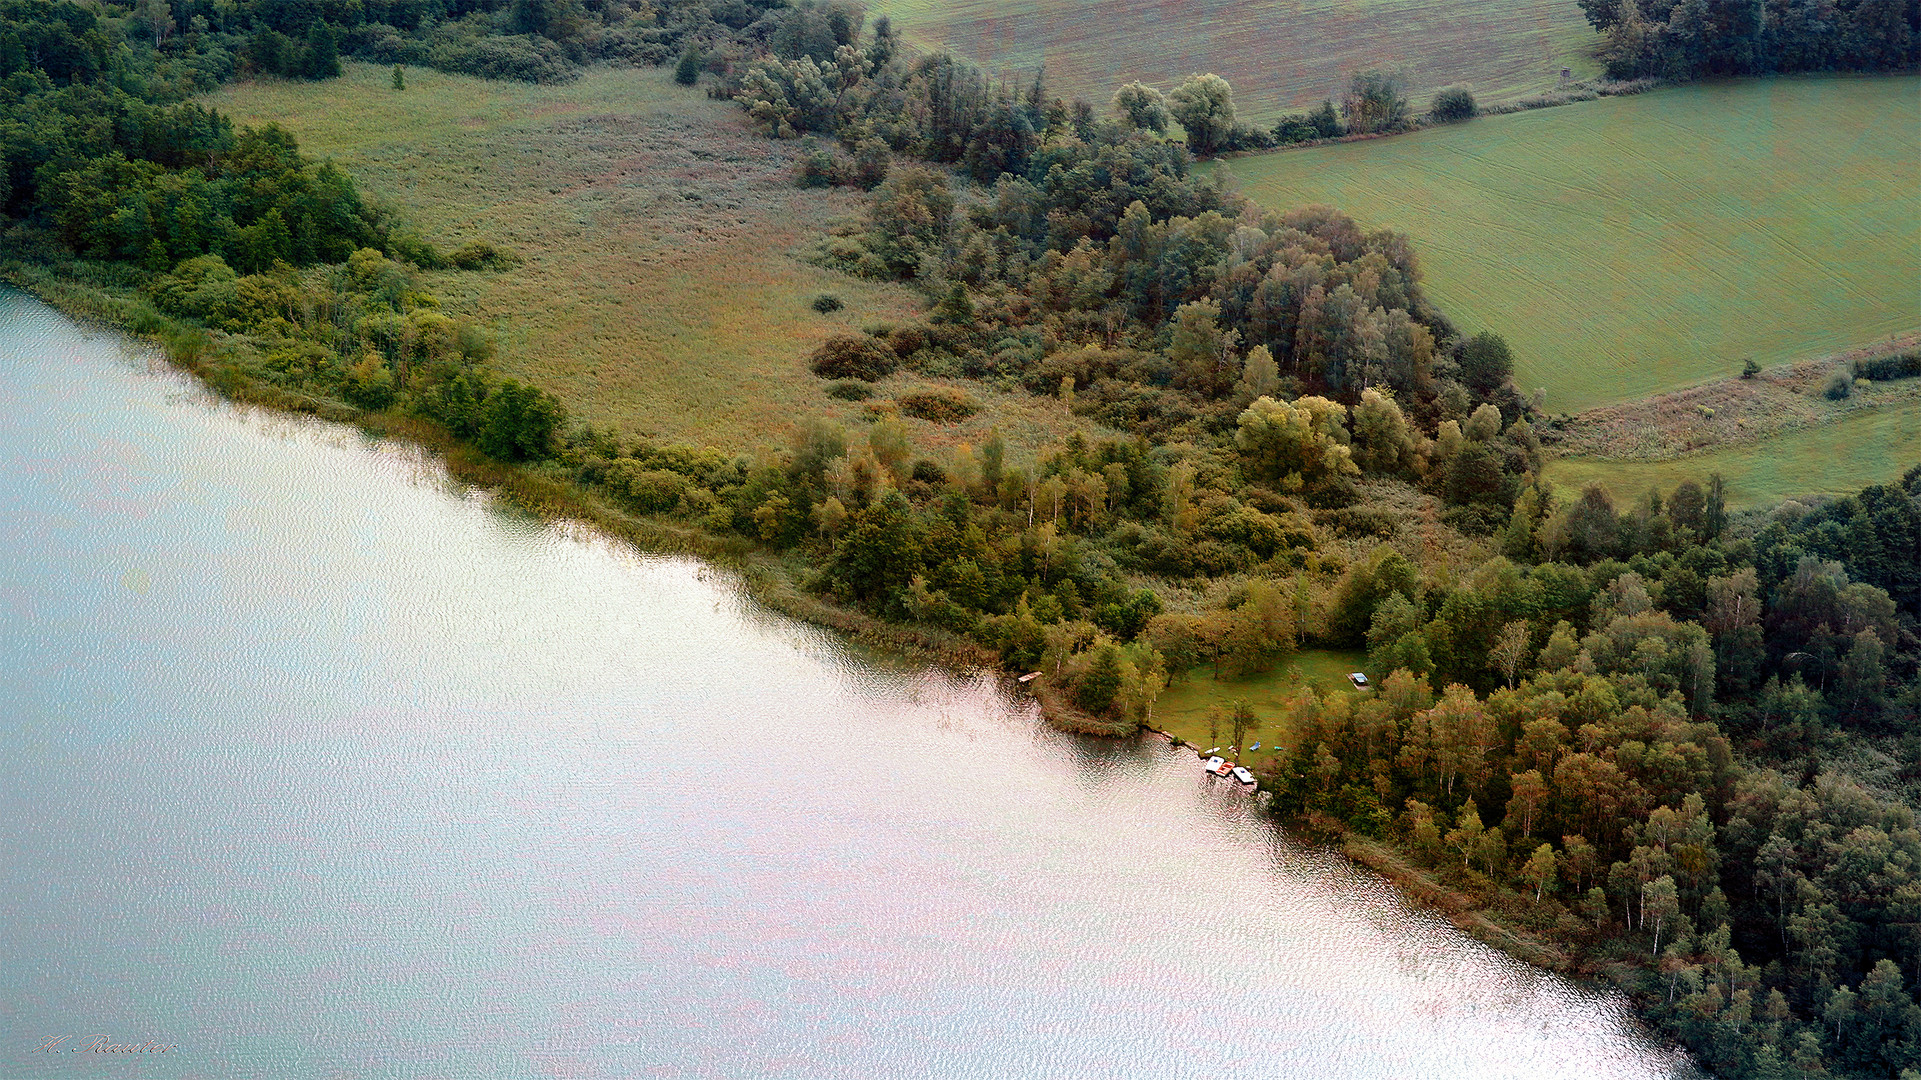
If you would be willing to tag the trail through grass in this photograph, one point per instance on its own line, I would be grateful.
(1870, 446)
(1633, 245)
(1280, 55)
(663, 289)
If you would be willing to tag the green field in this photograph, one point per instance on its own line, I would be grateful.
(1871, 446)
(1632, 245)
(1182, 708)
(664, 289)
(1278, 54)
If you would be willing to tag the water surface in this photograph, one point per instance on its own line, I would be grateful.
(314, 764)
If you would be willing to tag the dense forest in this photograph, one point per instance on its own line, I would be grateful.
(1680, 39)
(1680, 742)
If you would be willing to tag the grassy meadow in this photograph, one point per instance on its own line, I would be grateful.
(1182, 708)
(1632, 245)
(1866, 446)
(1280, 55)
(664, 288)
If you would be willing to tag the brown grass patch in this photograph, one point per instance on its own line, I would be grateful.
(664, 289)
(1731, 411)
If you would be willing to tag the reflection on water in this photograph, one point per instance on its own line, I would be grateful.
(313, 764)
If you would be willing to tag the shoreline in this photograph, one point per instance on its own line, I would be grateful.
(765, 578)
(768, 581)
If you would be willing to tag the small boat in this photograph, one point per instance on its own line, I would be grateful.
(1029, 677)
(1218, 766)
(1241, 774)
(1359, 680)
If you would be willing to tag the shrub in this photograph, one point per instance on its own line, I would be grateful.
(687, 72)
(1882, 368)
(480, 255)
(1360, 521)
(1749, 369)
(939, 405)
(523, 57)
(369, 384)
(1452, 105)
(872, 160)
(929, 472)
(1376, 101)
(827, 302)
(649, 491)
(850, 356)
(906, 340)
(815, 169)
(1099, 682)
(520, 422)
(1839, 385)
(1486, 362)
(850, 390)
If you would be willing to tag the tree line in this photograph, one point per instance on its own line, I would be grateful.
(1682, 39)
(1647, 735)
(272, 264)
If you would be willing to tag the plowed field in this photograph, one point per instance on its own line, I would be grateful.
(1280, 55)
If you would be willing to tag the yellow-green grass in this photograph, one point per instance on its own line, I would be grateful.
(664, 289)
(1279, 55)
(1182, 708)
(1632, 245)
(1868, 446)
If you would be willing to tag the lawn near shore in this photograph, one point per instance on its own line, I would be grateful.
(664, 288)
(1633, 245)
(1182, 708)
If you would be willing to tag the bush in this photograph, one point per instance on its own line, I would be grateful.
(1453, 104)
(520, 423)
(827, 302)
(369, 384)
(850, 390)
(1839, 385)
(929, 472)
(815, 169)
(649, 491)
(940, 405)
(872, 160)
(1095, 689)
(687, 72)
(1486, 362)
(1376, 101)
(480, 255)
(523, 57)
(905, 340)
(1882, 368)
(849, 356)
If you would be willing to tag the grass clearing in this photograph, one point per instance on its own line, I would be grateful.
(664, 289)
(1280, 55)
(1182, 708)
(1867, 446)
(1633, 245)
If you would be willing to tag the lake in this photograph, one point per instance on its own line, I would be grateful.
(314, 763)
